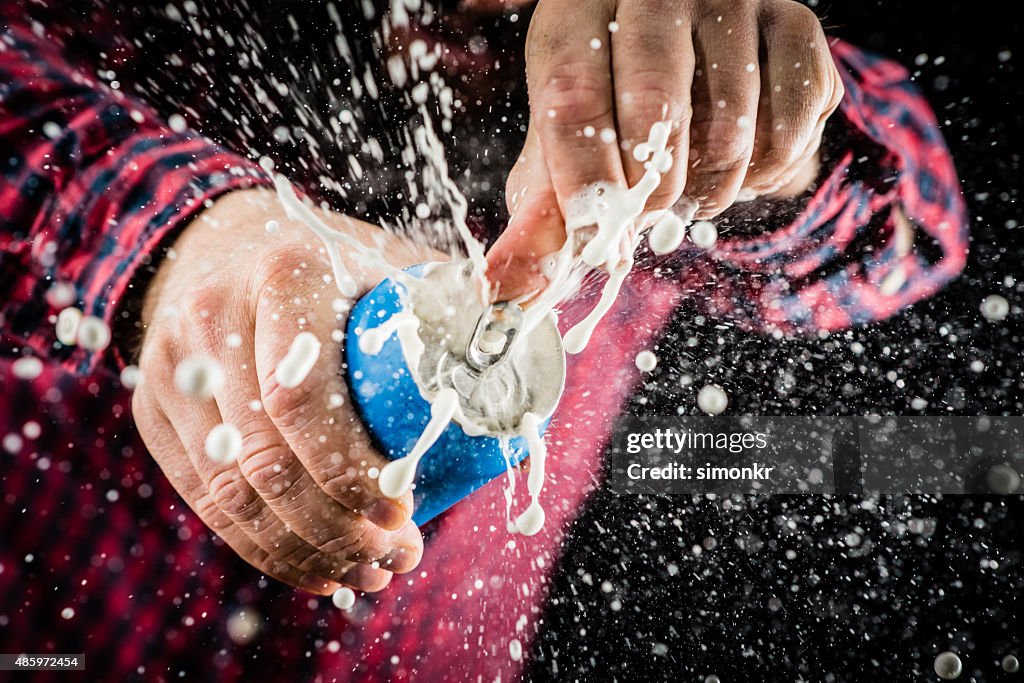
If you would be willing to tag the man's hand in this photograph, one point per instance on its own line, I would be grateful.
(747, 84)
(298, 503)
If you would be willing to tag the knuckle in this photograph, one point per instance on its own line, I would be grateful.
(345, 484)
(572, 97)
(202, 317)
(722, 153)
(278, 270)
(235, 497)
(354, 543)
(270, 473)
(647, 100)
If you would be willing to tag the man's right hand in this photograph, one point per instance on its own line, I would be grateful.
(299, 503)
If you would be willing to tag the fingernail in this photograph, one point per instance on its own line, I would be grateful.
(366, 578)
(314, 583)
(400, 560)
(386, 514)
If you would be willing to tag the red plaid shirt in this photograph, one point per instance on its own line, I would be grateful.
(99, 555)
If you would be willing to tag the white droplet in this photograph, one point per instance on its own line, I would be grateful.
(646, 361)
(61, 295)
(68, 321)
(223, 444)
(995, 307)
(948, 666)
(344, 598)
(300, 359)
(131, 376)
(233, 340)
(531, 520)
(1010, 664)
(93, 334)
(595, 43)
(177, 123)
(199, 376)
(1002, 480)
(67, 613)
(515, 649)
(667, 234)
(704, 234)
(27, 368)
(273, 227)
(12, 443)
(31, 429)
(613, 26)
(712, 399)
(243, 625)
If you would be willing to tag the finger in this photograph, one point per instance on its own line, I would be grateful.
(571, 102)
(725, 97)
(281, 480)
(325, 434)
(328, 439)
(798, 92)
(192, 420)
(653, 63)
(535, 228)
(161, 440)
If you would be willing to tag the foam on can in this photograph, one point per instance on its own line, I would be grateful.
(406, 343)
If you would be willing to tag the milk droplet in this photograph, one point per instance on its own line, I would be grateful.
(704, 234)
(531, 520)
(646, 361)
(1010, 664)
(177, 123)
(223, 444)
(667, 234)
(300, 359)
(948, 666)
(712, 399)
(61, 295)
(131, 376)
(243, 626)
(344, 598)
(995, 307)
(515, 649)
(273, 227)
(1002, 480)
(199, 376)
(27, 368)
(93, 334)
(68, 321)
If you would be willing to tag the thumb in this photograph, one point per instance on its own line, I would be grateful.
(535, 228)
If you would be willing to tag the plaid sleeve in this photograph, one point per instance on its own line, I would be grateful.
(886, 228)
(91, 182)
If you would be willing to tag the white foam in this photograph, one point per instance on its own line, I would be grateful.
(300, 359)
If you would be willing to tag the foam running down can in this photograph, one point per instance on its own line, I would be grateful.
(442, 338)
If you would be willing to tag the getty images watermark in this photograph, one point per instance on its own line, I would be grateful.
(844, 455)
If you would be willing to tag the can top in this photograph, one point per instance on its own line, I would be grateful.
(499, 370)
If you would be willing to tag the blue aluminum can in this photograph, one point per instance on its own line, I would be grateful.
(390, 396)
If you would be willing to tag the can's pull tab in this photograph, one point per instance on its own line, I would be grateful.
(493, 335)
